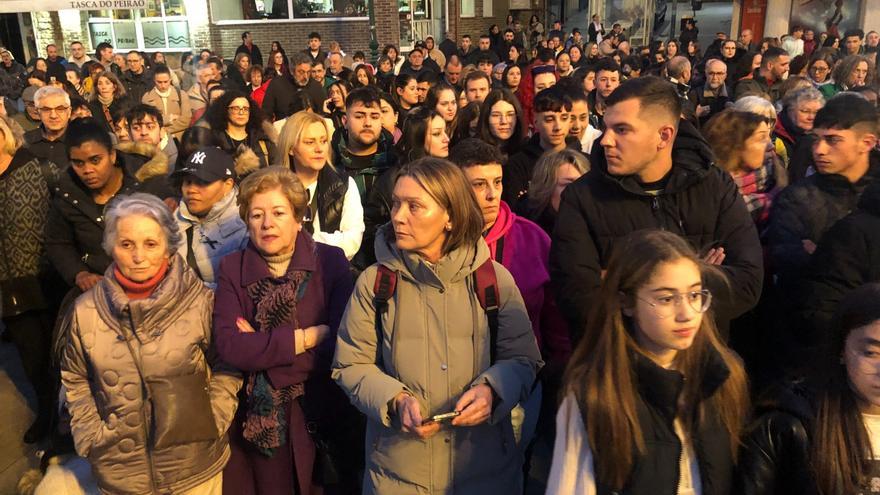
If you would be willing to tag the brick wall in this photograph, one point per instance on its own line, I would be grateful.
(48, 29)
(477, 25)
(353, 35)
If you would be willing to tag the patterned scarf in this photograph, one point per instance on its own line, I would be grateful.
(275, 298)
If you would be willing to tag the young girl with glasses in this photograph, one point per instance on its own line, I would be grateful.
(653, 400)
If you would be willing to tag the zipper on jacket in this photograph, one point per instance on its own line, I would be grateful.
(144, 424)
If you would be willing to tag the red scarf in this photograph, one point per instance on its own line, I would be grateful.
(140, 290)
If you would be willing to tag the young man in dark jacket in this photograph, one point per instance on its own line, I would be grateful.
(846, 133)
(364, 151)
(768, 77)
(652, 171)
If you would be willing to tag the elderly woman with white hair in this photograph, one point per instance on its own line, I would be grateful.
(795, 120)
(149, 403)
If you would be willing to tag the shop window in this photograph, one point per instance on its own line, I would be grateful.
(246, 10)
(467, 8)
(160, 25)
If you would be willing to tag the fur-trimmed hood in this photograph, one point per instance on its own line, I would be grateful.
(246, 161)
(155, 164)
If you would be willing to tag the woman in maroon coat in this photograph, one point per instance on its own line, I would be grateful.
(277, 308)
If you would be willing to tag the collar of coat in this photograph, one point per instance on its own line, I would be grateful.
(246, 161)
(382, 159)
(156, 164)
(662, 387)
(254, 267)
(692, 159)
(870, 200)
(837, 184)
(225, 206)
(38, 135)
(452, 267)
(172, 296)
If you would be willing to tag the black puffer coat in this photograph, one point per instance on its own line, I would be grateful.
(774, 459)
(806, 210)
(700, 202)
(848, 257)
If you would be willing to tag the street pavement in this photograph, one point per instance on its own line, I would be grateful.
(17, 402)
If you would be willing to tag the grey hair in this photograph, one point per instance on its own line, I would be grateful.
(677, 66)
(49, 91)
(715, 61)
(793, 99)
(145, 205)
(299, 58)
(756, 105)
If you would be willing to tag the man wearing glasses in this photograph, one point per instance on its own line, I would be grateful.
(711, 96)
(47, 140)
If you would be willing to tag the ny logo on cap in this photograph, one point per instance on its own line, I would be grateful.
(198, 157)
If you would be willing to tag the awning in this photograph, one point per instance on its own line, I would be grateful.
(10, 6)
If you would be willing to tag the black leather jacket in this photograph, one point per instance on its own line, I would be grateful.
(774, 459)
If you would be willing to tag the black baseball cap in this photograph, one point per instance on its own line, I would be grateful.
(208, 164)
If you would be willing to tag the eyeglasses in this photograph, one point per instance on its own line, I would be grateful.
(49, 110)
(718, 74)
(239, 110)
(665, 306)
(816, 68)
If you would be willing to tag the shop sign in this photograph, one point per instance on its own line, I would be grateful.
(52, 5)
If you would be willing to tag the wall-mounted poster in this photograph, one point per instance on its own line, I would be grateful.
(831, 16)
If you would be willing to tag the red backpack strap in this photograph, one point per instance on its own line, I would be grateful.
(383, 290)
(490, 299)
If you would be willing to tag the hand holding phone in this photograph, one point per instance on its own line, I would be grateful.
(475, 406)
(440, 418)
(410, 415)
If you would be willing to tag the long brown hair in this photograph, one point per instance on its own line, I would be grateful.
(840, 448)
(600, 376)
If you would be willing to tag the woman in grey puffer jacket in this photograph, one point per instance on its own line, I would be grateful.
(150, 404)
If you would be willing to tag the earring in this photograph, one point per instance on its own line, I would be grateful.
(449, 227)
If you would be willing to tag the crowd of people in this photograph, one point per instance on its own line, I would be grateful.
(530, 262)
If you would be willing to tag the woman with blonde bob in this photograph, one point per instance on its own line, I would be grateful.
(278, 304)
(553, 173)
(434, 356)
(653, 401)
(334, 215)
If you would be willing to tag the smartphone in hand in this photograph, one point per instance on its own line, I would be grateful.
(441, 418)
